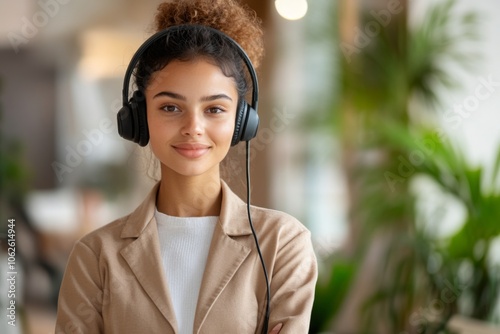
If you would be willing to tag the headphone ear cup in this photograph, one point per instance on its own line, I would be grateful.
(247, 123)
(132, 120)
(240, 116)
(125, 122)
(140, 115)
(251, 124)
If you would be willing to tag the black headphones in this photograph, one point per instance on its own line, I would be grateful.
(132, 119)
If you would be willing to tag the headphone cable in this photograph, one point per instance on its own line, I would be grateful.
(268, 293)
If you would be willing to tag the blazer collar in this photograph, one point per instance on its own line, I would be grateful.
(233, 214)
(141, 217)
(143, 256)
(225, 255)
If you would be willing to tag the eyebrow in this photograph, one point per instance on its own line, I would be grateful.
(183, 98)
(215, 97)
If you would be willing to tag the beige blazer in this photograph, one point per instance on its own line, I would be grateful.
(114, 280)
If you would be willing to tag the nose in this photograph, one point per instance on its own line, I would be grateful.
(193, 124)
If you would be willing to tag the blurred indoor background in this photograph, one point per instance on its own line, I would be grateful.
(380, 131)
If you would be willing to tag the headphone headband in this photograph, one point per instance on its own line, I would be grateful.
(159, 35)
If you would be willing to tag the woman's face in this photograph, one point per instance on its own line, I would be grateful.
(191, 110)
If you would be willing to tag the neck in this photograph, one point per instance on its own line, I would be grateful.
(189, 196)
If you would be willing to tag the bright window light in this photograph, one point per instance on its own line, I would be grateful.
(291, 9)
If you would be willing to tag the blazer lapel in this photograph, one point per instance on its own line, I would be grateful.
(225, 255)
(143, 256)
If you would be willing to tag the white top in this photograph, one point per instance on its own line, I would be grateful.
(184, 245)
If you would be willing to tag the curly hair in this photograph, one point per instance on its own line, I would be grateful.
(235, 20)
(205, 24)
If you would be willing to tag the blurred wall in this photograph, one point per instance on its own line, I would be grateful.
(28, 102)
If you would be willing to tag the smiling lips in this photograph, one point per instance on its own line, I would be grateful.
(191, 150)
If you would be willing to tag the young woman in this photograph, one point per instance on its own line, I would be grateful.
(186, 260)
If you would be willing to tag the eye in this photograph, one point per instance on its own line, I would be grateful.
(215, 110)
(170, 108)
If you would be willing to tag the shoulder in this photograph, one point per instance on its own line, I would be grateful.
(280, 228)
(277, 219)
(268, 223)
(287, 246)
(122, 231)
(105, 237)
